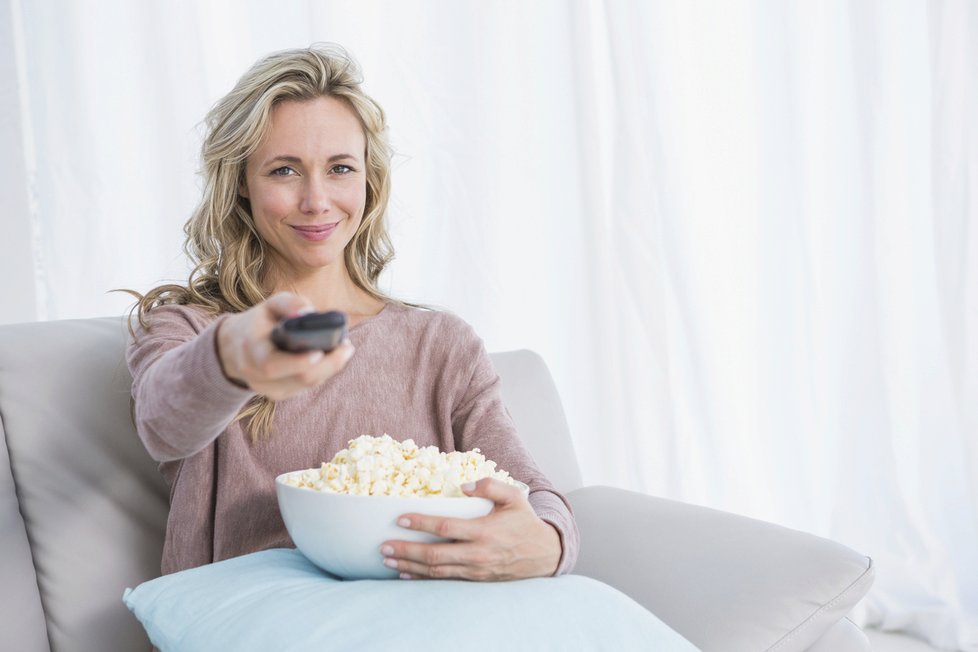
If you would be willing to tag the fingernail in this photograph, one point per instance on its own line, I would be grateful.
(305, 310)
(386, 551)
(405, 576)
(315, 357)
(390, 563)
(468, 486)
(404, 522)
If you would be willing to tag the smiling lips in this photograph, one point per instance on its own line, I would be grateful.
(315, 232)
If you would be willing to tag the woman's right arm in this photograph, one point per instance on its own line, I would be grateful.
(191, 376)
(183, 400)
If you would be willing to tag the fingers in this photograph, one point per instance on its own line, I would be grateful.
(286, 304)
(458, 529)
(409, 570)
(441, 560)
(266, 363)
(286, 374)
(249, 357)
(497, 491)
(508, 543)
(455, 559)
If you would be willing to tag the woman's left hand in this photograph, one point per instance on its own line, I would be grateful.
(511, 542)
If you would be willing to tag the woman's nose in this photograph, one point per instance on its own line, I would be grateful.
(315, 197)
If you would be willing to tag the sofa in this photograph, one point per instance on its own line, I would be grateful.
(83, 510)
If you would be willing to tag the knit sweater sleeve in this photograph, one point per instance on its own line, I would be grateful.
(183, 400)
(480, 420)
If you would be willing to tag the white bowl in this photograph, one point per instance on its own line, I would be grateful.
(342, 534)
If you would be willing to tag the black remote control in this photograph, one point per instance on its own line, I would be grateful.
(321, 331)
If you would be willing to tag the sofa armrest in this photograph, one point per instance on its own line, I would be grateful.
(21, 614)
(725, 582)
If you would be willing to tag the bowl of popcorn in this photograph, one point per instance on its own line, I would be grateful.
(340, 513)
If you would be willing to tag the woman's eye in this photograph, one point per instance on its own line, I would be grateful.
(283, 171)
(342, 169)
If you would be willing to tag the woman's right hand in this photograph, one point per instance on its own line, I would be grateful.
(248, 356)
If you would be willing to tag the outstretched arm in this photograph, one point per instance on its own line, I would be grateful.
(193, 374)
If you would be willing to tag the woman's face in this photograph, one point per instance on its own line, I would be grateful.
(307, 185)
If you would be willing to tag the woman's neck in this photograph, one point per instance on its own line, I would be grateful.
(329, 288)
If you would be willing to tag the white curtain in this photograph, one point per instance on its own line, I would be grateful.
(742, 233)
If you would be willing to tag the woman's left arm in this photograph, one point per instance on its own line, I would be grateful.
(511, 542)
(521, 537)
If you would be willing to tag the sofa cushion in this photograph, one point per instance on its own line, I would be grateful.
(278, 600)
(93, 502)
(21, 615)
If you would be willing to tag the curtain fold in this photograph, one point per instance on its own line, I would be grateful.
(742, 233)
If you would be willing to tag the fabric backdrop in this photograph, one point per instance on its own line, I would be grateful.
(742, 234)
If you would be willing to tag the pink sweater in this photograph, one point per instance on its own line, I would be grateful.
(416, 374)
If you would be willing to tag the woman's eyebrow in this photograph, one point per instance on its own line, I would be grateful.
(286, 158)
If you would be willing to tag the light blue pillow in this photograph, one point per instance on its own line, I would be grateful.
(278, 600)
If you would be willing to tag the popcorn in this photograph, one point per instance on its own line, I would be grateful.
(382, 466)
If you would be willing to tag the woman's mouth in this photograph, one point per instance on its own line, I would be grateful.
(315, 232)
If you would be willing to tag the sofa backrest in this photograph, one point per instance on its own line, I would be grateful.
(83, 507)
(93, 503)
(532, 400)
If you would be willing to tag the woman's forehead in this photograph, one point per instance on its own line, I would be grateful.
(318, 129)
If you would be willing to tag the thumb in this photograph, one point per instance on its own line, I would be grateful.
(286, 304)
(497, 491)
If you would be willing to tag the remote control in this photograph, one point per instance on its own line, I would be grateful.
(317, 330)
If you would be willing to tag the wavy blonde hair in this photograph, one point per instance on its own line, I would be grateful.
(229, 257)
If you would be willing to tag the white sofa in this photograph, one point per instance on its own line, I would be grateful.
(82, 514)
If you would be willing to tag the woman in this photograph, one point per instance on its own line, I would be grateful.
(292, 219)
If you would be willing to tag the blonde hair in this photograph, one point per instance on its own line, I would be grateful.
(229, 257)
